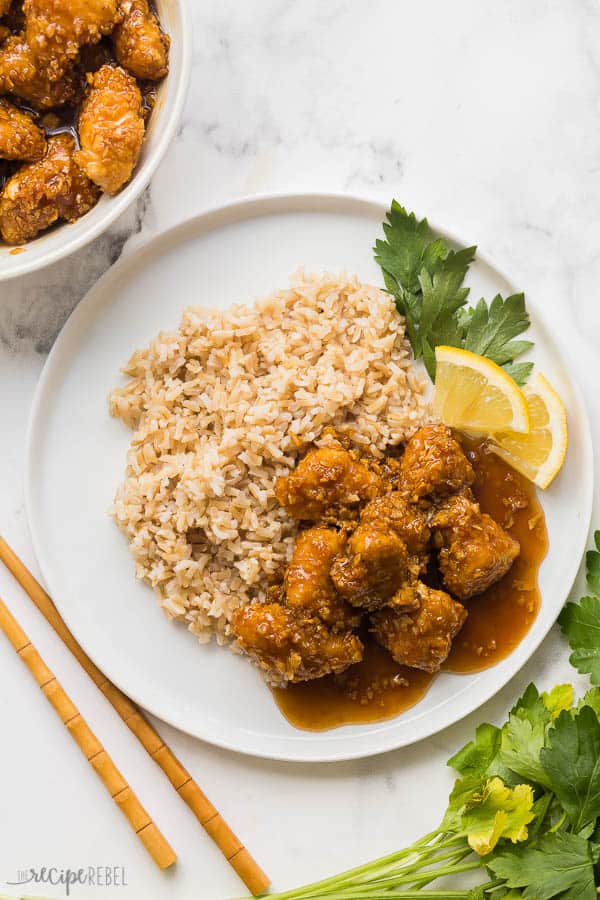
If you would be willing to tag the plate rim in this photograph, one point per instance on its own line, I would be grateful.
(243, 209)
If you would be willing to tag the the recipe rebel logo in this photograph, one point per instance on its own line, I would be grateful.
(67, 878)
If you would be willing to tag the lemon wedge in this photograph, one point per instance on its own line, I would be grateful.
(540, 454)
(473, 394)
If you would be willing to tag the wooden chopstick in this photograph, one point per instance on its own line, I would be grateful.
(152, 839)
(209, 817)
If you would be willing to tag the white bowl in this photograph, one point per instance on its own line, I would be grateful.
(66, 238)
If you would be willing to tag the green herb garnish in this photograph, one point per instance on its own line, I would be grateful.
(580, 622)
(426, 280)
(524, 813)
(558, 865)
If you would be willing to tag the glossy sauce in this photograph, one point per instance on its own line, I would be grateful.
(378, 688)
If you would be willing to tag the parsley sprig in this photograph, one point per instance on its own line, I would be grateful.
(426, 280)
(524, 813)
(580, 622)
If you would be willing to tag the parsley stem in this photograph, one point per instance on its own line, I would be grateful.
(337, 881)
(449, 870)
(401, 867)
(558, 825)
(545, 804)
(411, 894)
(426, 857)
(406, 875)
(458, 858)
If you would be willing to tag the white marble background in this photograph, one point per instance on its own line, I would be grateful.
(486, 117)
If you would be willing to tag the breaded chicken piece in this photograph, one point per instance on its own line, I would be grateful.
(141, 46)
(374, 567)
(308, 585)
(5, 6)
(422, 638)
(111, 128)
(406, 519)
(41, 193)
(19, 75)
(289, 645)
(56, 29)
(475, 551)
(328, 485)
(20, 137)
(434, 464)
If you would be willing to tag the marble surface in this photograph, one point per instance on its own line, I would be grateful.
(485, 116)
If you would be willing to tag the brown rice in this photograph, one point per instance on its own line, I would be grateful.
(223, 406)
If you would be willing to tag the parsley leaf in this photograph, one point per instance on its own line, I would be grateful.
(560, 864)
(497, 812)
(572, 761)
(408, 249)
(591, 698)
(560, 697)
(519, 372)
(486, 810)
(592, 559)
(580, 622)
(477, 757)
(441, 298)
(524, 736)
(426, 279)
(513, 751)
(491, 328)
(463, 791)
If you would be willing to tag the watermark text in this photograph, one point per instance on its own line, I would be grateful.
(89, 876)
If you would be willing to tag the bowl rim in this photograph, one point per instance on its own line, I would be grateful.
(23, 265)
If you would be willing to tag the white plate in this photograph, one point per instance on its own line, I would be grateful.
(76, 456)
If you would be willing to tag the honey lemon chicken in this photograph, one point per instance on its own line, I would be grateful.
(365, 559)
(434, 464)
(419, 637)
(475, 551)
(20, 137)
(111, 128)
(388, 548)
(60, 73)
(329, 484)
(289, 645)
(308, 585)
(141, 46)
(57, 29)
(41, 193)
(21, 76)
(374, 567)
(394, 512)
